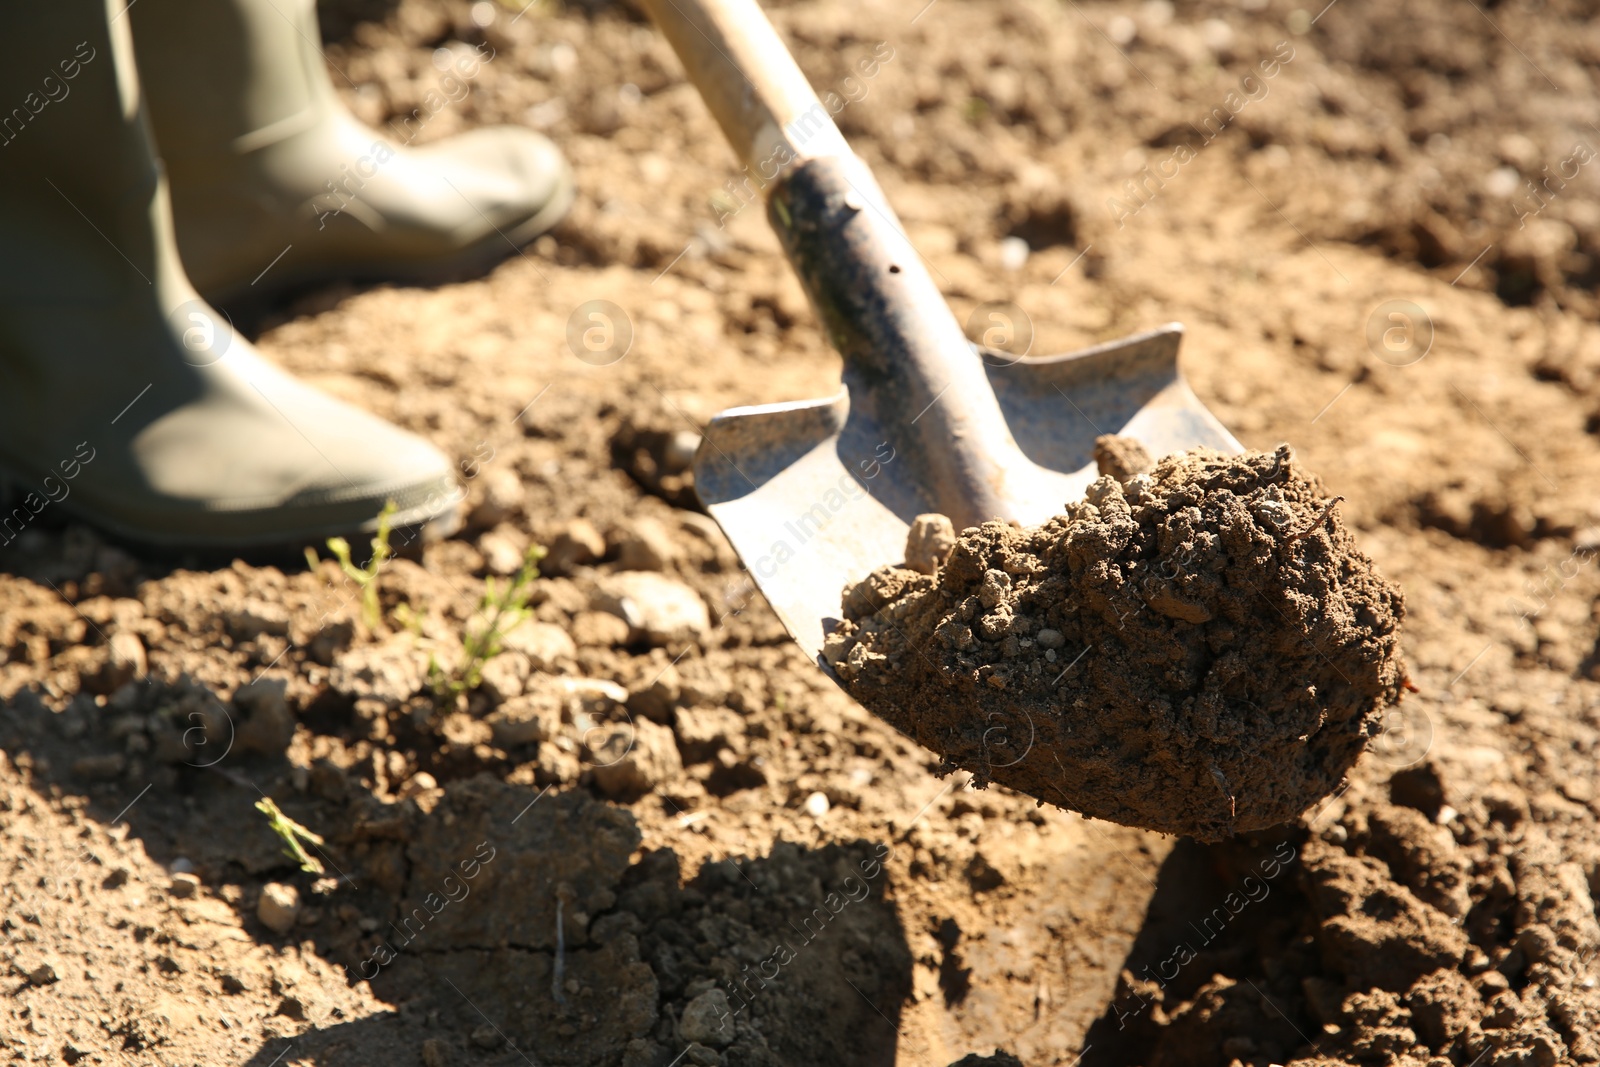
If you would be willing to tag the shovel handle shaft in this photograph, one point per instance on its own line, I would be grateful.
(765, 106)
(906, 360)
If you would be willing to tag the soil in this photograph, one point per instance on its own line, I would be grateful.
(1201, 649)
(1440, 908)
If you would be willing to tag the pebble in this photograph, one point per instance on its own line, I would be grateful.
(707, 1020)
(503, 494)
(125, 659)
(183, 886)
(817, 805)
(928, 542)
(390, 672)
(421, 782)
(703, 731)
(43, 974)
(655, 698)
(268, 726)
(594, 695)
(576, 544)
(631, 760)
(1013, 253)
(501, 555)
(644, 545)
(278, 907)
(256, 617)
(599, 629)
(663, 610)
(545, 644)
(527, 719)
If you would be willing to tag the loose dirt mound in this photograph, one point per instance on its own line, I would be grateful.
(1199, 650)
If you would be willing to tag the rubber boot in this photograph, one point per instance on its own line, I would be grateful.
(124, 398)
(275, 185)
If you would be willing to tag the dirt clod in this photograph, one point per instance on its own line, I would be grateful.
(929, 542)
(1120, 457)
(278, 907)
(1200, 650)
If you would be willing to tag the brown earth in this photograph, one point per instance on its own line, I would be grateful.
(1201, 649)
(1364, 272)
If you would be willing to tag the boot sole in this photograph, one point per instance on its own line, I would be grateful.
(409, 531)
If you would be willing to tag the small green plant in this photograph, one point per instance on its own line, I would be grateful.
(366, 578)
(501, 610)
(292, 833)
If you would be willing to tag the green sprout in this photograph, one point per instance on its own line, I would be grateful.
(366, 578)
(292, 834)
(502, 609)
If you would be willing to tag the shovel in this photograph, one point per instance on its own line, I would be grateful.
(816, 494)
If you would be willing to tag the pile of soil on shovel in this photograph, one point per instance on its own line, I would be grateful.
(1201, 649)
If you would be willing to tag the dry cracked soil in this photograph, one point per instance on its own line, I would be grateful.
(656, 834)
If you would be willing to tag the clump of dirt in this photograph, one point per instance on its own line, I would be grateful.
(1198, 650)
(1399, 934)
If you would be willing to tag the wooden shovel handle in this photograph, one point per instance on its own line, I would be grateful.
(750, 82)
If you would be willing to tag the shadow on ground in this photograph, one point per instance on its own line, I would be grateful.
(505, 922)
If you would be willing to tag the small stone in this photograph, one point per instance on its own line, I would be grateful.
(123, 662)
(331, 640)
(435, 1053)
(1578, 790)
(183, 865)
(506, 675)
(545, 644)
(503, 494)
(526, 720)
(1013, 253)
(268, 726)
(577, 544)
(662, 610)
(629, 761)
(100, 768)
(279, 907)
(594, 695)
(1120, 457)
(43, 974)
(644, 545)
(256, 617)
(599, 629)
(501, 555)
(391, 672)
(487, 1037)
(707, 1020)
(817, 805)
(702, 732)
(184, 886)
(655, 698)
(421, 782)
(1050, 639)
(928, 542)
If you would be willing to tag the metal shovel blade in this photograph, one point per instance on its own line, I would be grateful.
(814, 497)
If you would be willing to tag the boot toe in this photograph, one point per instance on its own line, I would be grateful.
(274, 462)
(513, 179)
